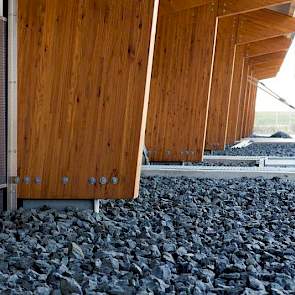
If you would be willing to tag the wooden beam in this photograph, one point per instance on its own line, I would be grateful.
(173, 6)
(84, 72)
(281, 43)
(266, 75)
(263, 24)
(232, 7)
(266, 58)
(221, 84)
(181, 78)
(273, 70)
(252, 109)
(225, 7)
(235, 94)
(242, 101)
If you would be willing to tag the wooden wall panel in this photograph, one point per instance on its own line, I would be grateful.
(180, 82)
(221, 83)
(82, 101)
(235, 99)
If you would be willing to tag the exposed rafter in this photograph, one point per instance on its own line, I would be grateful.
(266, 58)
(225, 7)
(281, 43)
(231, 7)
(264, 24)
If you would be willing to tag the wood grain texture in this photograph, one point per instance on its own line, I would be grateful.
(180, 82)
(243, 98)
(82, 79)
(281, 43)
(173, 6)
(235, 94)
(221, 84)
(266, 74)
(252, 109)
(263, 24)
(233, 7)
(243, 101)
(246, 110)
(266, 58)
(272, 65)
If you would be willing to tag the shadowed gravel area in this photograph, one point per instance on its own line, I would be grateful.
(276, 150)
(182, 236)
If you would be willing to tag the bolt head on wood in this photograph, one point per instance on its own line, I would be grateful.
(38, 180)
(115, 180)
(92, 180)
(65, 180)
(103, 180)
(27, 179)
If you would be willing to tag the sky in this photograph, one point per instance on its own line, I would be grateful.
(283, 84)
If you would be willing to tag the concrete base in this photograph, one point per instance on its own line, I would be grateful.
(218, 172)
(62, 204)
(273, 140)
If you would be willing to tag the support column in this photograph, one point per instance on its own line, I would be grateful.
(221, 85)
(83, 104)
(180, 82)
(235, 99)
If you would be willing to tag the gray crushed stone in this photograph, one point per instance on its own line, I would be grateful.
(276, 150)
(182, 236)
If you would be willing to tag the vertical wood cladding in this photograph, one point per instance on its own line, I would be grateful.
(242, 101)
(221, 83)
(180, 82)
(235, 94)
(81, 95)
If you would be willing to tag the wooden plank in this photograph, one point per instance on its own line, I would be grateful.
(266, 67)
(180, 82)
(235, 94)
(266, 74)
(173, 6)
(245, 98)
(271, 45)
(221, 84)
(242, 106)
(263, 24)
(266, 58)
(252, 109)
(233, 7)
(83, 68)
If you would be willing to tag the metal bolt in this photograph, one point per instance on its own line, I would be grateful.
(16, 180)
(38, 180)
(115, 180)
(103, 180)
(65, 180)
(27, 179)
(92, 180)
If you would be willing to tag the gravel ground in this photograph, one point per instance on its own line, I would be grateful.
(277, 150)
(182, 236)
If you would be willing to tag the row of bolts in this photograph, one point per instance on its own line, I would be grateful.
(65, 180)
